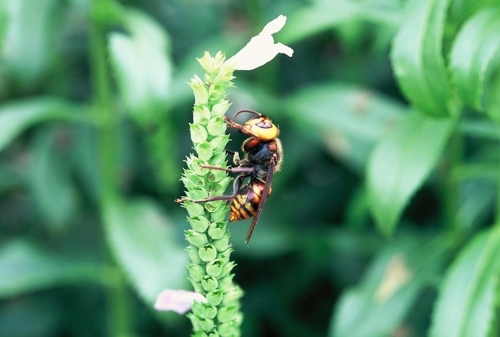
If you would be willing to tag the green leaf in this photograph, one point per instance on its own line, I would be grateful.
(29, 38)
(477, 198)
(142, 241)
(472, 53)
(400, 163)
(466, 301)
(348, 119)
(18, 116)
(418, 60)
(324, 15)
(377, 306)
(26, 268)
(31, 316)
(143, 66)
(10, 177)
(50, 181)
(141, 61)
(85, 160)
(479, 128)
(491, 96)
(316, 18)
(4, 19)
(461, 10)
(357, 212)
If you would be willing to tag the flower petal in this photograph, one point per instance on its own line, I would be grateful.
(179, 301)
(274, 26)
(261, 48)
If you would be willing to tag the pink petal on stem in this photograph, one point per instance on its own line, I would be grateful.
(179, 301)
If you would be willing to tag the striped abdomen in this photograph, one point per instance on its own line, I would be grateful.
(246, 202)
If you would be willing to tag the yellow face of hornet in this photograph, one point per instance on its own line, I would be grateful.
(263, 127)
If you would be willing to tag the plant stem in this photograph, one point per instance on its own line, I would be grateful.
(209, 249)
(118, 308)
(104, 106)
(497, 213)
(454, 158)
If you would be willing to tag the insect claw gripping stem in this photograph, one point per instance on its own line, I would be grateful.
(232, 124)
(230, 169)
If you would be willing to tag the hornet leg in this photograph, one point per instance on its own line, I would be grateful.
(236, 157)
(236, 188)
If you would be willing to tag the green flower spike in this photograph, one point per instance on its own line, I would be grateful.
(215, 304)
(209, 248)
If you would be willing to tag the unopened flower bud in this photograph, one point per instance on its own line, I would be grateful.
(197, 193)
(208, 311)
(196, 272)
(196, 239)
(225, 255)
(194, 209)
(209, 63)
(209, 283)
(215, 297)
(206, 324)
(214, 268)
(226, 314)
(232, 297)
(216, 176)
(222, 243)
(199, 223)
(218, 159)
(193, 254)
(226, 282)
(227, 329)
(200, 90)
(214, 206)
(216, 230)
(221, 186)
(196, 286)
(216, 126)
(196, 167)
(227, 268)
(195, 321)
(191, 180)
(201, 114)
(220, 214)
(198, 133)
(204, 310)
(215, 92)
(219, 144)
(207, 252)
(197, 309)
(225, 75)
(219, 60)
(220, 108)
(204, 150)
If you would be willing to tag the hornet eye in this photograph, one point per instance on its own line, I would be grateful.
(264, 125)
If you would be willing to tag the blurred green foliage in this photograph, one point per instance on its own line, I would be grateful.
(383, 222)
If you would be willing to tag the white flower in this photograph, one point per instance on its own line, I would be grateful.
(261, 48)
(179, 301)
